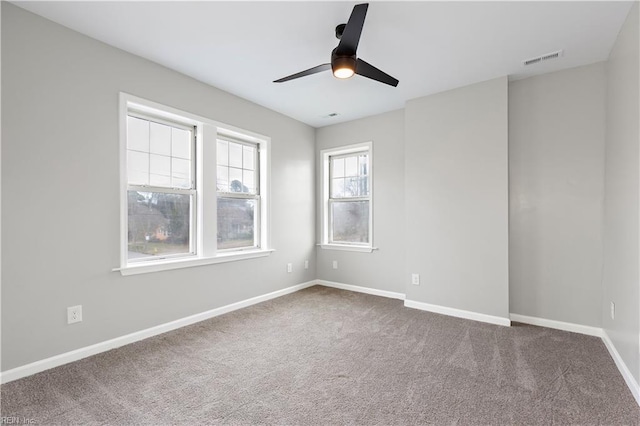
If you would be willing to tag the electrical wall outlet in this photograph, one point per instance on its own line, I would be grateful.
(613, 311)
(306, 264)
(74, 314)
(415, 279)
(335, 264)
(289, 267)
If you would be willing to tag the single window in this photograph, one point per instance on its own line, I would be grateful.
(161, 190)
(238, 190)
(347, 196)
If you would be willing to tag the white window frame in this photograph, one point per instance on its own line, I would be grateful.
(204, 239)
(325, 156)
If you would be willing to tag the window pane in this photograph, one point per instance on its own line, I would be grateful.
(236, 223)
(137, 134)
(235, 155)
(337, 188)
(160, 169)
(159, 224)
(138, 168)
(180, 173)
(223, 153)
(248, 179)
(350, 220)
(160, 180)
(352, 187)
(363, 186)
(180, 143)
(248, 158)
(235, 180)
(338, 167)
(223, 179)
(160, 139)
(351, 166)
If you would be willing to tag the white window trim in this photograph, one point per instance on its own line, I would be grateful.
(207, 132)
(324, 178)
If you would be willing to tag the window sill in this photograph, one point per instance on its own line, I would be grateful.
(344, 247)
(166, 265)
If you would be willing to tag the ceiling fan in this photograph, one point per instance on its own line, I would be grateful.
(344, 62)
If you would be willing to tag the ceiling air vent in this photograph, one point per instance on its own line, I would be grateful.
(542, 58)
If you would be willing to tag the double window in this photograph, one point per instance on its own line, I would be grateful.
(347, 198)
(192, 189)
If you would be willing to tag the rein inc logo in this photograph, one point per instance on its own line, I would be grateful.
(14, 420)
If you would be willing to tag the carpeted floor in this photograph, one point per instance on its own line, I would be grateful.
(329, 357)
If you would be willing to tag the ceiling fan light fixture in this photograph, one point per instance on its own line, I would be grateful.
(343, 73)
(343, 67)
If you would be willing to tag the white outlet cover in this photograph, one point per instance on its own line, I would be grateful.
(415, 279)
(74, 314)
(335, 264)
(289, 267)
(613, 310)
(306, 264)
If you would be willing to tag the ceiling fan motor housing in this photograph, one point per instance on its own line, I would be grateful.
(342, 61)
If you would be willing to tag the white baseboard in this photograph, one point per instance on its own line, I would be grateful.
(358, 289)
(75, 355)
(558, 325)
(622, 367)
(459, 313)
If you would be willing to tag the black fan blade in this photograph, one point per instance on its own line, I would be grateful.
(305, 73)
(367, 70)
(351, 34)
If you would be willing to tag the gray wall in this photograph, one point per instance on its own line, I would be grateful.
(382, 269)
(60, 200)
(556, 191)
(620, 280)
(456, 198)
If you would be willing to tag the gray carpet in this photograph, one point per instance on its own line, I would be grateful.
(325, 356)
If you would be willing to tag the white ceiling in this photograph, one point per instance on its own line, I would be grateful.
(241, 47)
